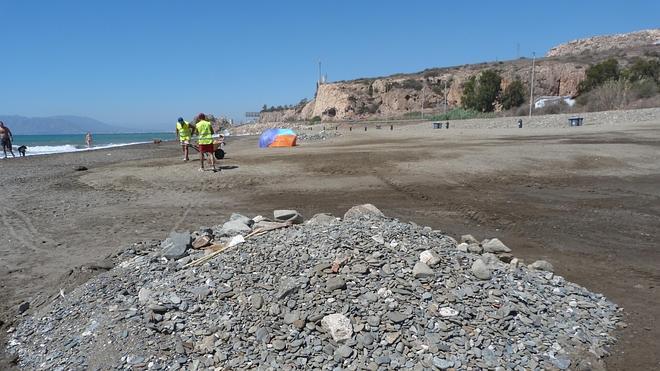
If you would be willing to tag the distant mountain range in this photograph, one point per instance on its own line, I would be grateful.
(22, 125)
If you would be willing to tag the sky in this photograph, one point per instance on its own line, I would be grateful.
(144, 63)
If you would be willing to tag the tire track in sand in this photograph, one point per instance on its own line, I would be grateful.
(20, 228)
(476, 216)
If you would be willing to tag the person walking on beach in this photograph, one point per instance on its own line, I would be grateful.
(204, 140)
(183, 133)
(88, 139)
(6, 137)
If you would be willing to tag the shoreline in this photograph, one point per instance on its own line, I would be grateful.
(583, 202)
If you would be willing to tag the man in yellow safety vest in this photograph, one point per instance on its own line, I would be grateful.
(183, 133)
(205, 140)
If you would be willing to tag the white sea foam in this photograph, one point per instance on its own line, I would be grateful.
(65, 148)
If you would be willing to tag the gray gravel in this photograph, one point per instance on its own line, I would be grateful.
(321, 296)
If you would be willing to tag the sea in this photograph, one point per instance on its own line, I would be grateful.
(50, 144)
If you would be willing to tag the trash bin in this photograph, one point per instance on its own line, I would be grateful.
(437, 125)
(575, 121)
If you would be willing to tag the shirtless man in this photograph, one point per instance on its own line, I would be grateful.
(6, 137)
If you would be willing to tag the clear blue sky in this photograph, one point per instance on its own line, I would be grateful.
(144, 63)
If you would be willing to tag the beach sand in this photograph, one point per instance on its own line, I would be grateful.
(586, 199)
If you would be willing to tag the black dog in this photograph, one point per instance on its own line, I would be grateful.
(22, 150)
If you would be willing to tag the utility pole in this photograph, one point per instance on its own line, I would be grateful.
(531, 89)
(445, 96)
(422, 103)
(320, 76)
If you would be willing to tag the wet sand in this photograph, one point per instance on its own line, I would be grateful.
(586, 199)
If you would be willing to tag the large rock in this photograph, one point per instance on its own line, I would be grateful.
(176, 245)
(429, 258)
(475, 248)
(323, 219)
(145, 295)
(542, 265)
(242, 218)
(288, 216)
(365, 210)
(234, 227)
(481, 270)
(495, 246)
(421, 270)
(338, 325)
(335, 283)
(469, 239)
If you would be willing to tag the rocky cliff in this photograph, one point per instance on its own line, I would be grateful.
(559, 73)
(606, 43)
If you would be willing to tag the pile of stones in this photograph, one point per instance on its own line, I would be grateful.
(361, 292)
(322, 135)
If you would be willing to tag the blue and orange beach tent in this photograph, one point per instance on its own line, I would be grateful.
(277, 138)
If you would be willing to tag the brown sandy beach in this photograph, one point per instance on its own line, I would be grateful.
(586, 199)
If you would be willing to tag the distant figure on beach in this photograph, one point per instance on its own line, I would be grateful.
(6, 137)
(88, 139)
(204, 140)
(21, 150)
(183, 133)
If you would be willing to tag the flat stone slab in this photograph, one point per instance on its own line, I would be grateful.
(176, 245)
(288, 216)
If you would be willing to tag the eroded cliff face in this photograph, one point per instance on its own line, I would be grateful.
(394, 96)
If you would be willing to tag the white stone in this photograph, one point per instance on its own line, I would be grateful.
(448, 312)
(338, 325)
(236, 240)
(429, 258)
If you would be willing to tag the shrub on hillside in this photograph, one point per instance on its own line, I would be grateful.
(513, 95)
(412, 84)
(644, 88)
(461, 114)
(598, 74)
(438, 87)
(611, 95)
(643, 69)
(480, 93)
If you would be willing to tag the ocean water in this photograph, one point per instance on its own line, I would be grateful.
(49, 144)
